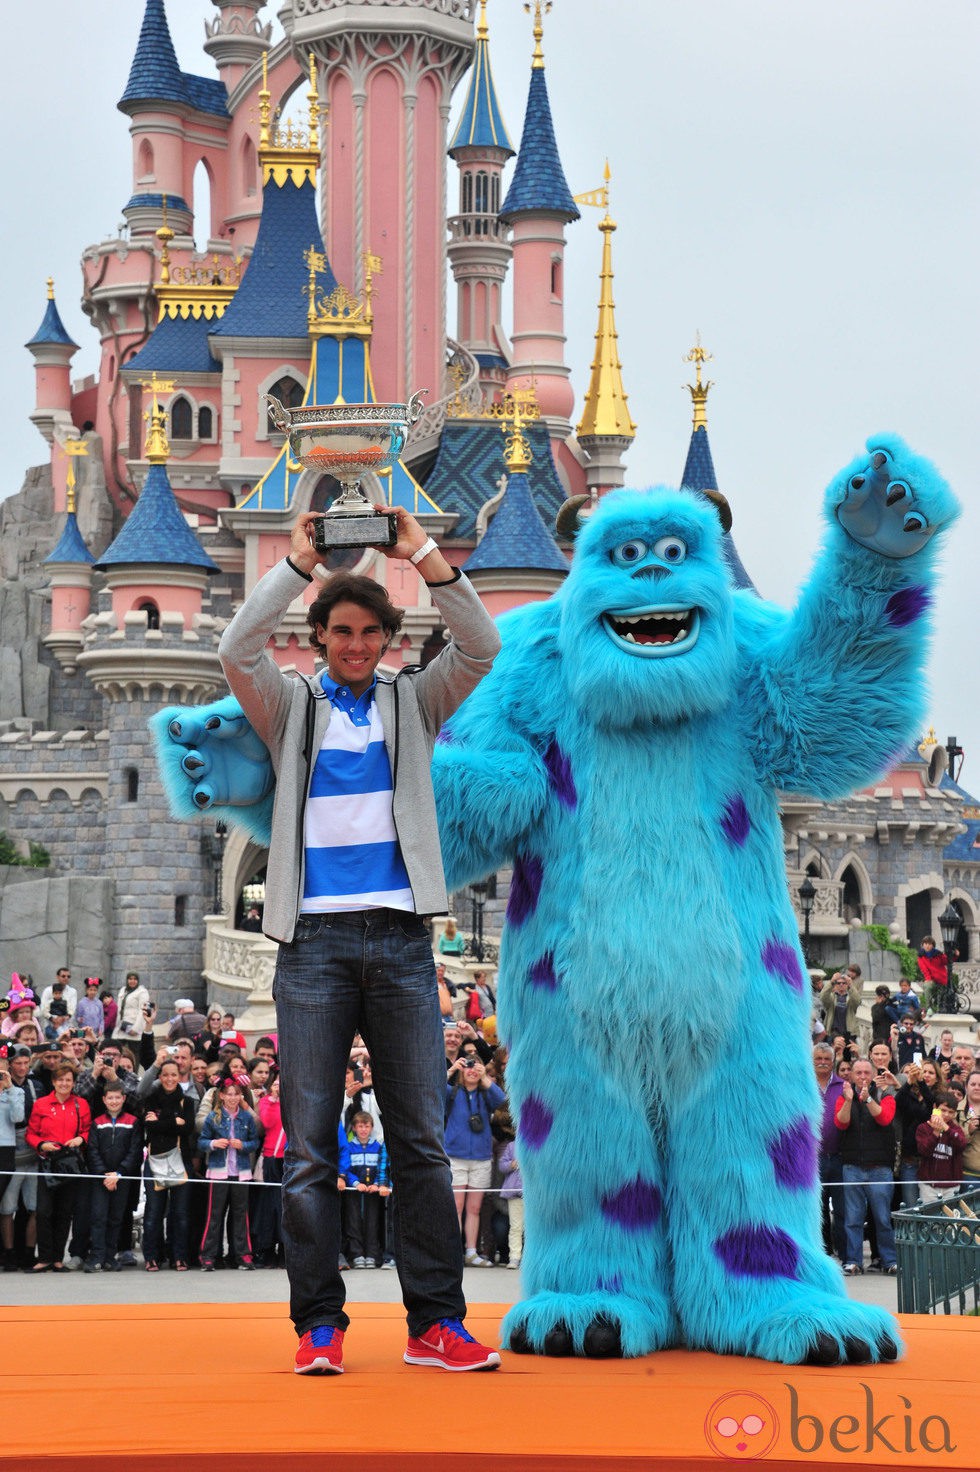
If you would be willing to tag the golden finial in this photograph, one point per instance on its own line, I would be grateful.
(517, 451)
(72, 448)
(481, 31)
(314, 100)
(699, 390)
(264, 99)
(50, 288)
(372, 268)
(157, 448)
(605, 410)
(165, 235)
(538, 8)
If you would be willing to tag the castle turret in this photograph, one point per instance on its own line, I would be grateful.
(52, 350)
(70, 568)
(538, 207)
(479, 242)
(606, 429)
(699, 470)
(236, 38)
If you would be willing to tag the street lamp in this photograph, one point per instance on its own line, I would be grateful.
(478, 895)
(807, 893)
(213, 847)
(949, 928)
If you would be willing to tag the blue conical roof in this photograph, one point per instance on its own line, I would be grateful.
(539, 180)
(481, 124)
(272, 300)
(71, 547)
(155, 76)
(155, 531)
(699, 475)
(52, 329)
(517, 538)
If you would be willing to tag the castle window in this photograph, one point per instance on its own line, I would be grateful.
(152, 614)
(556, 278)
(290, 395)
(144, 162)
(132, 784)
(205, 423)
(181, 420)
(180, 910)
(495, 195)
(466, 204)
(481, 193)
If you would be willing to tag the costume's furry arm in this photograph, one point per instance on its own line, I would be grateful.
(837, 687)
(489, 769)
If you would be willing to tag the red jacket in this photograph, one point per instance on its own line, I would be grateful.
(933, 968)
(58, 1122)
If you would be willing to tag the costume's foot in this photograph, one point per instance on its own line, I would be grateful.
(809, 1327)
(321, 1351)
(448, 1346)
(827, 1351)
(598, 1325)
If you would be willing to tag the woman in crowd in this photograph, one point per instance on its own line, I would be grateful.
(168, 1123)
(968, 1119)
(259, 1073)
(266, 1199)
(914, 1103)
(451, 943)
(57, 1132)
(471, 1098)
(227, 1141)
(209, 1042)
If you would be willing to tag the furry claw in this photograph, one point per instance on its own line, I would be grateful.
(888, 1350)
(520, 1343)
(602, 1341)
(856, 1351)
(825, 1350)
(558, 1342)
(878, 459)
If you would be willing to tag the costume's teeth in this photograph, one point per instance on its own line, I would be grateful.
(681, 634)
(631, 638)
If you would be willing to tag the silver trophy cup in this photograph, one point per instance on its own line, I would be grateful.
(349, 441)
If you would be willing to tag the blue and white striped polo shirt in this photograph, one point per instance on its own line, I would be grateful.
(353, 861)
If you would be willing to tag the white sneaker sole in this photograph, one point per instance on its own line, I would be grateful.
(319, 1367)
(491, 1362)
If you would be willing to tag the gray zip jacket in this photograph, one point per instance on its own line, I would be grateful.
(412, 707)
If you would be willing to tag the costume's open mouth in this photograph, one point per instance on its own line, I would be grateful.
(654, 631)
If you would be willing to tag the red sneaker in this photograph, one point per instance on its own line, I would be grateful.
(321, 1351)
(448, 1345)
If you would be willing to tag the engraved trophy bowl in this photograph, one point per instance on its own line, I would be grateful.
(349, 441)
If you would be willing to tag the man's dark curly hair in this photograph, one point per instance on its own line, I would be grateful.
(346, 587)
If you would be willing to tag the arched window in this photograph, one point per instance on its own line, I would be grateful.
(290, 395)
(132, 784)
(202, 207)
(495, 195)
(482, 196)
(249, 168)
(556, 278)
(181, 420)
(144, 162)
(205, 423)
(466, 205)
(851, 896)
(152, 614)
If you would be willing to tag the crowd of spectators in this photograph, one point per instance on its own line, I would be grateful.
(901, 1120)
(111, 1151)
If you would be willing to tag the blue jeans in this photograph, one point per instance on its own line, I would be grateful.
(908, 1175)
(367, 971)
(871, 1188)
(832, 1203)
(165, 1208)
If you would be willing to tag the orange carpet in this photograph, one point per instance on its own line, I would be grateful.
(210, 1388)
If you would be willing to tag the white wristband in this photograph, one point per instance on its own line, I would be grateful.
(427, 546)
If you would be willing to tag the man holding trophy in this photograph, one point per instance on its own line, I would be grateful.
(354, 868)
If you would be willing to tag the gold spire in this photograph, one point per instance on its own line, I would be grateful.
(157, 447)
(165, 235)
(482, 33)
(538, 8)
(72, 448)
(699, 390)
(517, 451)
(288, 150)
(605, 411)
(50, 288)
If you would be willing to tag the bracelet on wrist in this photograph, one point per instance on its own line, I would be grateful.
(427, 546)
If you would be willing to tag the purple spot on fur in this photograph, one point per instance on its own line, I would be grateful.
(609, 1285)
(794, 1156)
(758, 1252)
(543, 972)
(633, 1206)
(534, 1123)
(735, 821)
(905, 606)
(525, 888)
(445, 737)
(781, 959)
(559, 770)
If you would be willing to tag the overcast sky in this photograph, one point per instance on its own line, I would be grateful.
(796, 180)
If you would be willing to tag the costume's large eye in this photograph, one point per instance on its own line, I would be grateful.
(629, 553)
(670, 549)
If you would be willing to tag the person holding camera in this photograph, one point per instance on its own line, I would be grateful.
(354, 870)
(57, 1131)
(471, 1098)
(134, 1017)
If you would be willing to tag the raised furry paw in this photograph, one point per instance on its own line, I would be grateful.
(893, 503)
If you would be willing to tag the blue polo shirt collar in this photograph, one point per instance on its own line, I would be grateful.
(357, 707)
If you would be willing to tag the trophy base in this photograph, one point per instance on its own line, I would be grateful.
(380, 529)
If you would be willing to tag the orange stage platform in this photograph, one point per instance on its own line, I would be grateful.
(210, 1388)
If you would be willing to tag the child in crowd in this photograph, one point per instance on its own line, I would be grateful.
(367, 1183)
(940, 1143)
(227, 1140)
(115, 1149)
(512, 1192)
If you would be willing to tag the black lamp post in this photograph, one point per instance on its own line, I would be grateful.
(213, 846)
(807, 893)
(949, 927)
(478, 896)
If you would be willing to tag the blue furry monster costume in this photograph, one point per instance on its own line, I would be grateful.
(625, 756)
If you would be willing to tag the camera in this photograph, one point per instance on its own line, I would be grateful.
(172, 1051)
(469, 1062)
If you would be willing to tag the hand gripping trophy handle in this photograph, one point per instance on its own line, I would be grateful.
(280, 414)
